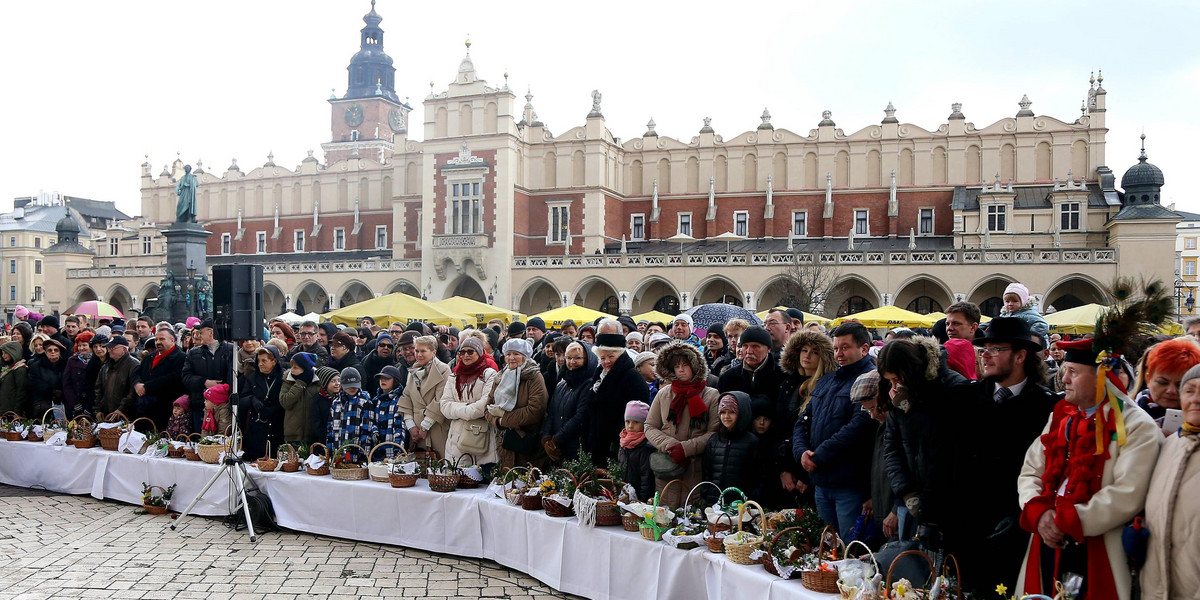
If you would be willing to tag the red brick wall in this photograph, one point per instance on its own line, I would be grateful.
(911, 202)
(365, 240)
(530, 219)
(488, 208)
(411, 227)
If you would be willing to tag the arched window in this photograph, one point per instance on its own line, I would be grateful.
(611, 306)
(668, 305)
(853, 305)
(991, 307)
(924, 305)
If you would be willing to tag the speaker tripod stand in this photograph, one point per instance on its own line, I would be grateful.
(234, 469)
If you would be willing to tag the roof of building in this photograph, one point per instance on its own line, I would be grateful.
(1145, 211)
(1143, 173)
(1027, 197)
(1188, 216)
(39, 218)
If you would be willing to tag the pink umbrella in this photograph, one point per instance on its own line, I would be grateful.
(96, 309)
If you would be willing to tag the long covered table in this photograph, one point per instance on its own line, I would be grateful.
(602, 562)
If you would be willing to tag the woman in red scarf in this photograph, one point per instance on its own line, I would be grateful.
(464, 404)
(682, 417)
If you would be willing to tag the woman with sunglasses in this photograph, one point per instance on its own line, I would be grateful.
(464, 404)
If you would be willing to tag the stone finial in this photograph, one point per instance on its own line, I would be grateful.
(528, 97)
(1142, 156)
(890, 111)
(1025, 104)
(707, 125)
(826, 120)
(766, 120)
(333, 93)
(956, 111)
(233, 166)
(650, 125)
(506, 79)
(270, 159)
(199, 166)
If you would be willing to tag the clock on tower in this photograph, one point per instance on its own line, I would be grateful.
(366, 120)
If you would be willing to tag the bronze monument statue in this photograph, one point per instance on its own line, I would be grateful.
(185, 207)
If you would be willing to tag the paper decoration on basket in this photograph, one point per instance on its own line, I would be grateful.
(131, 442)
(58, 439)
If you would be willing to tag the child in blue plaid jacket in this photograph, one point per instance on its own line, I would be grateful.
(351, 414)
(389, 423)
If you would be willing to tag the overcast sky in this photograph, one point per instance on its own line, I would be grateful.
(91, 87)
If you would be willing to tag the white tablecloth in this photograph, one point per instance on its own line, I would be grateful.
(602, 562)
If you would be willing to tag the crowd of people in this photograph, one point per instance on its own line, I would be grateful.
(1024, 454)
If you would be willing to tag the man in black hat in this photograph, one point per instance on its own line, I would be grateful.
(208, 364)
(49, 326)
(384, 355)
(1002, 414)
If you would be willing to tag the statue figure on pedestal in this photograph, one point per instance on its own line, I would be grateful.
(185, 207)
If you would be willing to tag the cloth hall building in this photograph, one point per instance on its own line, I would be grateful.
(473, 195)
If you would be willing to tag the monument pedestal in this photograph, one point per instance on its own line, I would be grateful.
(187, 246)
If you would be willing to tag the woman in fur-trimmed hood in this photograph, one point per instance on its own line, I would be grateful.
(683, 415)
(805, 358)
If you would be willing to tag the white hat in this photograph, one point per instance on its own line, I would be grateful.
(686, 318)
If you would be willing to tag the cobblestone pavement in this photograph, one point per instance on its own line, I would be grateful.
(56, 546)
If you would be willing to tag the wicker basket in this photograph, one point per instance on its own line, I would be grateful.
(629, 521)
(769, 564)
(847, 593)
(714, 543)
(110, 438)
(465, 481)
(324, 470)
(653, 532)
(267, 463)
(9, 420)
(54, 426)
(508, 482)
(533, 502)
(739, 552)
(211, 453)
(553, 508)
(426, 459)
(445, 482)
(157, 510)
(289, 458)
(887, 586)
(32, 436)
(341, 472)
(403, 480)
(83, 435)
(173, 452)
(381, 471)
(825, 582)
(190, 452)
(607, 511)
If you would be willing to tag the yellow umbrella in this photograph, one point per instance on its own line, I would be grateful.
(808, 317)
(398, 307)
(554, 318)
(1078, 320)
(1082, 320)
(482, 312)
(655, 317)
(888, 316)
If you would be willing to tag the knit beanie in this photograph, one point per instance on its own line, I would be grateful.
(217, 394)
(1191, 373)
(1020, 290)
(728, 403)
(184, 402)
(687, 319)
(637, 411)
(518, 345)
(325, 375)
(473, 343)
(634, 335)
(755, 334)
(642, 358)
(719, 329)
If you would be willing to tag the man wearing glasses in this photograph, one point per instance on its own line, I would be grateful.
(779, 325)
(1014, 405)
(307, 342)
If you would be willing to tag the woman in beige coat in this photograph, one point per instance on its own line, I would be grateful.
(1172, 568)
(464, 404)
(683, 416)
(420, 401)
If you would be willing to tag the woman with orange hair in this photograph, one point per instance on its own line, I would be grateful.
(1166, 364)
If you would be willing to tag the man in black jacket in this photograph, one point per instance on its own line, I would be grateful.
(306, 341)
(619, 383)
(206, 365)
(341, 351)
(1004, 413)
(157, 379)
(373, 363)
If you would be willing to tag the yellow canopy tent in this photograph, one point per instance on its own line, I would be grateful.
(398, 307)
(481, 311)
(655, 317)
(888, 316)
(808, 317)
(1082, 320)
(554, 318)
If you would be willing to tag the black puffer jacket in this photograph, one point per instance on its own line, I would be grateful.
(920, 441)
(731, 458)
(372, 364)
(567, 413)
(349, 360)
(607, 407)
(637, 469)
(45, 381)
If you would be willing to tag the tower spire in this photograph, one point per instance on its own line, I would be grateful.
(371, 68)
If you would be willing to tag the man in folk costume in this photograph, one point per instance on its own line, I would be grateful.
(1087, 476)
